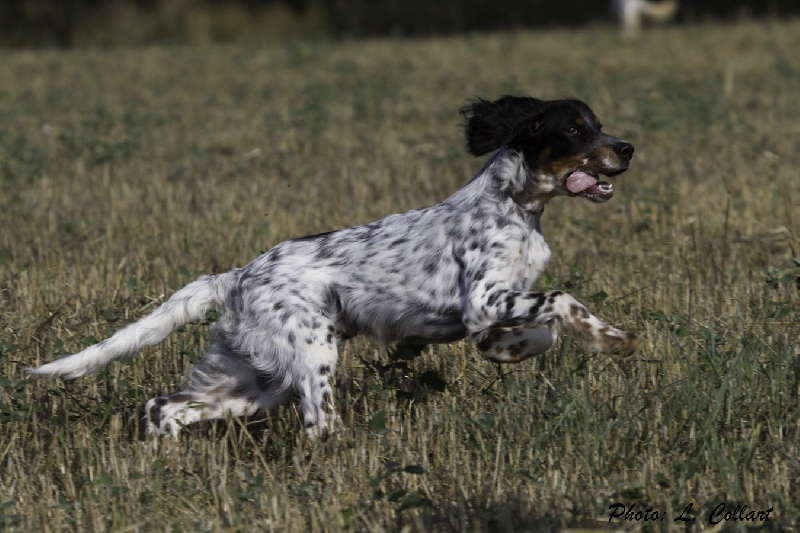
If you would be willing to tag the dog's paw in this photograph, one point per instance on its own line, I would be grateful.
(613, 341)
(319, 433)
(624, 345)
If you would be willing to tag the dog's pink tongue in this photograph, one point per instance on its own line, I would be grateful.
(579, 182)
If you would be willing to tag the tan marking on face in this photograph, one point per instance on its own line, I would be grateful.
(580, 122)
(604, 153)
(604, 158)
(599, 161)
(544, 155)
(560, 167)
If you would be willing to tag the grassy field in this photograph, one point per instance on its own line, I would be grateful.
(126, 173)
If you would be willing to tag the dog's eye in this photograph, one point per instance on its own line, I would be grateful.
(573, 130)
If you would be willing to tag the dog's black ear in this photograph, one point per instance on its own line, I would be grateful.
(491, 125)
(526, 131)
(484, 130)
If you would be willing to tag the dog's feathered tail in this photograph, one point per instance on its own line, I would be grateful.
(187, 305)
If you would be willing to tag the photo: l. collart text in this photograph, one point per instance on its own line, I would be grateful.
(722, 513)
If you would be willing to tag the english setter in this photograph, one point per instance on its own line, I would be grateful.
(461, 268)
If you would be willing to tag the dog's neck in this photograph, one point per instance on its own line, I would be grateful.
(535, 219)
(511, 179)
(506, 179)
(522, 185)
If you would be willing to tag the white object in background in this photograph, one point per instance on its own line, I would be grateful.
(631, 13)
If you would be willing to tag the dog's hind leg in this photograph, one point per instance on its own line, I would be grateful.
(224, 384)
(316, 363)
(229, 383)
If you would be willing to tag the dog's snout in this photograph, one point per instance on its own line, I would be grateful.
(624, 150)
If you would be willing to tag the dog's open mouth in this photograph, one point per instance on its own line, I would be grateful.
(588, 186)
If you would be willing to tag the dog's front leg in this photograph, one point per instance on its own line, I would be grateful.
(593, 334)
(529, 323)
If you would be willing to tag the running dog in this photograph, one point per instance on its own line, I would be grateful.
(461, 268)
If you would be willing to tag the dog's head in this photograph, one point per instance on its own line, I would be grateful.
(561, 141)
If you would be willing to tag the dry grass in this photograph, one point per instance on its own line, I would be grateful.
(124, 174)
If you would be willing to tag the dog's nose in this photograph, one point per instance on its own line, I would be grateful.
(624, 150)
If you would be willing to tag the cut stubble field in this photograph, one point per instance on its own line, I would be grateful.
(125, 174)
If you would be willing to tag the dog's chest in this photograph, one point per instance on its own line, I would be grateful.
(534, 259)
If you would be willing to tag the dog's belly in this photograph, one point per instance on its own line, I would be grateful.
(447, 328)
(399, 316)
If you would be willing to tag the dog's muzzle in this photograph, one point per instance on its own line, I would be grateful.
(587, 184)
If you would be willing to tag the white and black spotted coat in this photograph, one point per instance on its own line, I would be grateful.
(426, 276)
